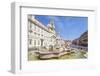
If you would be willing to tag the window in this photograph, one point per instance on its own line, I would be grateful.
(30, 41)
(35, 28)
(34, 42)
(38, 29)
(41, 31)
(38, 42)
(38, 34)
(35, 33)
(30, 25)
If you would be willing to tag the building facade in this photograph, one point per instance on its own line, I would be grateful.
(40, 35)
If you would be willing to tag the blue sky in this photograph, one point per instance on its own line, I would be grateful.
(69, 27)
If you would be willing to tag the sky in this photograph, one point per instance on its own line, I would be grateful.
(68, 27)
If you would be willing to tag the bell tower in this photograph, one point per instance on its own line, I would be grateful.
(51, 26)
